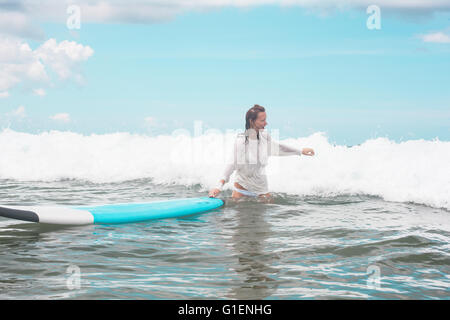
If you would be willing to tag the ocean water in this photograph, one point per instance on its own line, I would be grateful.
(363, 222)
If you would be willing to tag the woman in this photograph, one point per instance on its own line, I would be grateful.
(251, 150)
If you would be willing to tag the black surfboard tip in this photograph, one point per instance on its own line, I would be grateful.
(24, 215)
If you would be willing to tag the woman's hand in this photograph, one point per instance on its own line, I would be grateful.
(214, 193)
(307, 151)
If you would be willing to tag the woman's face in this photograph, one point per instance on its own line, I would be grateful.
(260, 121)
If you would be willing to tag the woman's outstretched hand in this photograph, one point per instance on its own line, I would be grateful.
(308, 151)
(214, 193)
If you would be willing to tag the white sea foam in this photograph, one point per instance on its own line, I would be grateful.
(411, 171)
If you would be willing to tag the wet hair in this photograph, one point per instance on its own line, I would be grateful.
(251, 115)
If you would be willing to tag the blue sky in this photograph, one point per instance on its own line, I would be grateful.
(312, 71)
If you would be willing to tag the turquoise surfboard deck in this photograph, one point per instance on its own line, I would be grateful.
(112, 213)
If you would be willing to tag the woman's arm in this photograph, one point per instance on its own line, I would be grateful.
(229, 169)
(214, 192)
(279, 149)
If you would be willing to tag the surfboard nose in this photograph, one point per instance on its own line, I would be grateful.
(25, 215)
(48, 214)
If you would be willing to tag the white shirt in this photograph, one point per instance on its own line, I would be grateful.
(250, 158)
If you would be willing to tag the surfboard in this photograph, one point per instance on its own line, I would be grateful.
(111, 213)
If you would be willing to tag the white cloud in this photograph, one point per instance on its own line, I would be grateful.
(19, 63)
(63, 57)
(19, 112)
(436, 37)
(4, 94)
(151, 11)
(61, 117)
(39, 92)
(18, 24)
